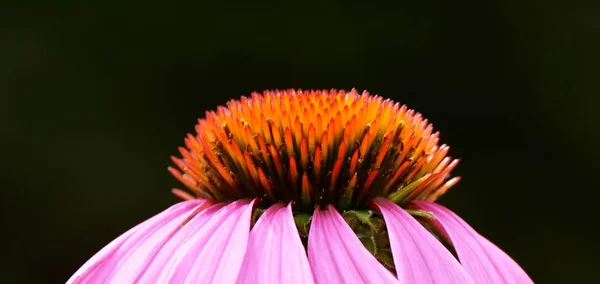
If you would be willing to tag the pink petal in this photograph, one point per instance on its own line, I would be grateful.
(337, 256)
(275, 252)
(214, 251)
(484, 261)
(103, 266)
(163, 258)
(419, 257)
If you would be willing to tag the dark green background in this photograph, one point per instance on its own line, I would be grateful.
(94, 97)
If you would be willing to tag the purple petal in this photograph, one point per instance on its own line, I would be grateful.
(337, 256)
(103, 266)
(214, 251)
(275, 252)
(484, 261)
(419, 257)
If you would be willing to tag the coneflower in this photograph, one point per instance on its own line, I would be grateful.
(307, 187)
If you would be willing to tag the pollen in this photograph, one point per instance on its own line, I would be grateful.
(314, 147)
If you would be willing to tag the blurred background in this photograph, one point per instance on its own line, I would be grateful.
(95, 97)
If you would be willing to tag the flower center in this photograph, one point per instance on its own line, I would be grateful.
(314, 147)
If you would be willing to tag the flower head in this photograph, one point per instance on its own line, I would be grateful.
(307, 187)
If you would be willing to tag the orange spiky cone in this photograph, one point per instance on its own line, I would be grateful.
(314, 147)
